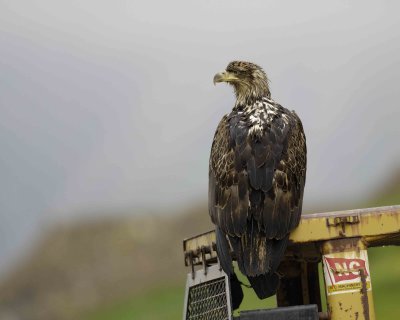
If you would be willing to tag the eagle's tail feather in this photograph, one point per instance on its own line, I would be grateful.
(278, 251)
(265, 285)
(236, 291)
(223, 252)
(260, 268)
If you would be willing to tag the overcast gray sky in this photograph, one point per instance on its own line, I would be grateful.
(110, 104)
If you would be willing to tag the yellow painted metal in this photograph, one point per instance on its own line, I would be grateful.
(372, 224)
(349, 232)
(351, 296)
(192, 248)
(376, 226)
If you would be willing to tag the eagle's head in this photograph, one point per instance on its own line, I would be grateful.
(248, 79)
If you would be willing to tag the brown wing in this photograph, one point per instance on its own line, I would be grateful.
(283, 202)
(257, 177)
(228, 188)
(256, 187)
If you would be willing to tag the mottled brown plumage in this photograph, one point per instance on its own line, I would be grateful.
(256, 178)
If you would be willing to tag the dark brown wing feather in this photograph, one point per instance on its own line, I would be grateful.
(256, 188)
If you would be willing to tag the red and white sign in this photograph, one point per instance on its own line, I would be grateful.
(343, 271)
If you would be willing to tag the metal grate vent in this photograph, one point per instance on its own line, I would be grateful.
(207, 295)
(207, 301)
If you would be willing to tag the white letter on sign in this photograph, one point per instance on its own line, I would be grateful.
(354, 265)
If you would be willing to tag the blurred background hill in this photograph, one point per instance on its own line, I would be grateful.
(132, 268)
(107, 116)
(83, 265)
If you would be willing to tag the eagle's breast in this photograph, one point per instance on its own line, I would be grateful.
(260, 115)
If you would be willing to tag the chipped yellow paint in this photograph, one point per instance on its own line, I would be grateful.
(377, 226)
(350, 232)
(372, 225)
(351, 297)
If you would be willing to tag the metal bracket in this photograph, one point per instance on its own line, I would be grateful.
(191, 264)
(342, 221)
(204, 250)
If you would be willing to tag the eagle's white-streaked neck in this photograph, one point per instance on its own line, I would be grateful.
(249, 92)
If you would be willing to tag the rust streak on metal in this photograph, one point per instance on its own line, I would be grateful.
(364, 296)
(376, 226)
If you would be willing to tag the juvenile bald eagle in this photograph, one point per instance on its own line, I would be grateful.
(257, 173)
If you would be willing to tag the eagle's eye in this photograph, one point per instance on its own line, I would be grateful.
(237, 72)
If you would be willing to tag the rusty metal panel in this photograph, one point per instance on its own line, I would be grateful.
(336, 235)
(376, 226)
(347, 279)
(198, 247)
(373, 224)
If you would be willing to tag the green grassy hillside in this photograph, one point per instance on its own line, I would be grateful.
(164, 302)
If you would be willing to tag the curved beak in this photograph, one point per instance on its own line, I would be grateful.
(224, 76)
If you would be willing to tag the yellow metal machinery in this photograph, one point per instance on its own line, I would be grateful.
(338, 239)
